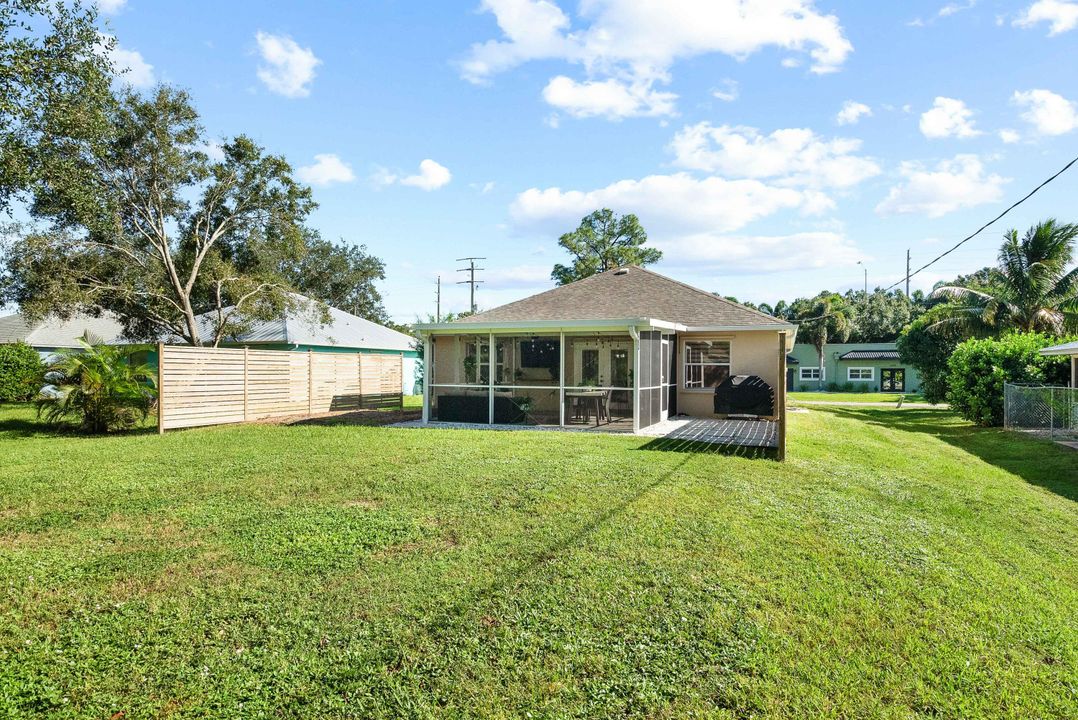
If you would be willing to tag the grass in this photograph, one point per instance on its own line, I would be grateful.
(868, 397)
(901, 564)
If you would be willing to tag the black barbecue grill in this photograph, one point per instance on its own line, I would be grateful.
(744, 395)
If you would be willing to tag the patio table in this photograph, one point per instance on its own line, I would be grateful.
(598, 395)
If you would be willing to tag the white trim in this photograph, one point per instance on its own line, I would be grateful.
(1064, 349)
(428, 363)
(815, 368)
(635, 335)
(871, 374)
(463, 328)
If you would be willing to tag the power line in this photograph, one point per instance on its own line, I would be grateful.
(982, 228)
(471, 281)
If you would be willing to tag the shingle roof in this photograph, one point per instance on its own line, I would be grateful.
(343, 330)
(630, 292)
(869, 355)
(57, 333)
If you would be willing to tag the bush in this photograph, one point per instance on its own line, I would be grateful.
(979, 369)
(927, 347)
(832, 387)
(21, 372)
(103, 387)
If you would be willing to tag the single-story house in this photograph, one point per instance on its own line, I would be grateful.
(628, 346)
(52, 334)
(299, 329)
(1067, 349)
(874, 367)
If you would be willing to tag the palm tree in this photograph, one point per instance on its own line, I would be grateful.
(104, 387)
(821, 319)
(1030, 290)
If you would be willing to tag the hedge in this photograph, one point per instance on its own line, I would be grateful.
(21, 372)
(978, 370)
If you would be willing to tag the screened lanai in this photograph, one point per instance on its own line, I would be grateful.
(609, 378)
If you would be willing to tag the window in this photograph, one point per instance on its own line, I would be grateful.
(812, 373)
(707, 363)
(860, 373)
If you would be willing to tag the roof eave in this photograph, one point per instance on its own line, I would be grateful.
(574, 325)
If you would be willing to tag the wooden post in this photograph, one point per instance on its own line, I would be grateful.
(780, 398)
(246, 372)
(160, 388)
(310, 382)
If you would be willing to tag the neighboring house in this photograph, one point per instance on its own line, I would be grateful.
(52, 334)
(300, 330)
(872, 366)
(1066, 349)
(628, 346)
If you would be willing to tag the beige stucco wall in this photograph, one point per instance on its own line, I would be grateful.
(753, 352)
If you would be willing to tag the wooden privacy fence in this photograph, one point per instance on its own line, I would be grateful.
(213, 386)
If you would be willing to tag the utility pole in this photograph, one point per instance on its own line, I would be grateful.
(866, 278)
(438, 306)
(471, 281)
(907, 273)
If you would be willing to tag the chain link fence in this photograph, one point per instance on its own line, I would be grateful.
(1044, 410)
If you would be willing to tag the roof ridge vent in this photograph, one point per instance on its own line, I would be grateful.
(622, 271)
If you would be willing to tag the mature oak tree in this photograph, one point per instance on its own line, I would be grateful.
(602, 242)
(145, 225)
(55, 80)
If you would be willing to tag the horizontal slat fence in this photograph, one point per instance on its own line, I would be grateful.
(213, 386)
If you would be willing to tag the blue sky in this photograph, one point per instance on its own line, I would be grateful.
(766, 150)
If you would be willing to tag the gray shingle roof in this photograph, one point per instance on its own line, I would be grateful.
(1070, 348)
(57, 333)
(631, 292)
(869, 355)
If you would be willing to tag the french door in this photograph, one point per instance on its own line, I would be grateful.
(893, 380)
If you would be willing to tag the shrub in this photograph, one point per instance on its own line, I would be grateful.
(927, 347)
(979, 369)
(849, 387)
(21, 372)
(832, 387)
(100, 386)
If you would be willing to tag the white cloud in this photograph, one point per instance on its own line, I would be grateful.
(636, 42)
(130, 66)
(1061, 15)
(708, 252)
(431, 176)
(668, 204)
(793, 156)
(1009, 136)
(691, 218)
(611, 98)
(952, 185)
(1049, 113)
(955, 8)
(288, 68)
(948, 118)
(110, 7)
(326, 170)
(851, 112)
(727, 91)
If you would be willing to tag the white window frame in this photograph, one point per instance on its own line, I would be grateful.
(685, 364)
(815, 369)
(871, 374)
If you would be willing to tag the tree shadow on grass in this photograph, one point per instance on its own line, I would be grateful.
(1036, 460)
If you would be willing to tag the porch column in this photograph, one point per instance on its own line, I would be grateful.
(428, 360)
(780, 398)
(635, 333)
(1074, 371)
(490, 378)
(561, 378)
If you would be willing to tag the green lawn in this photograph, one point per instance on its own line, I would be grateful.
(875, 397)
(901, 564)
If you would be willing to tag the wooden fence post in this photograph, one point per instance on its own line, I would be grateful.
(160, 388)
(310, 381)
(780, 398)
(246, 375)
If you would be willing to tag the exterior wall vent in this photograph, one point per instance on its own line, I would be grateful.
(621, 271)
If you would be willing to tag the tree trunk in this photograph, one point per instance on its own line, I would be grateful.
(819, 383)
